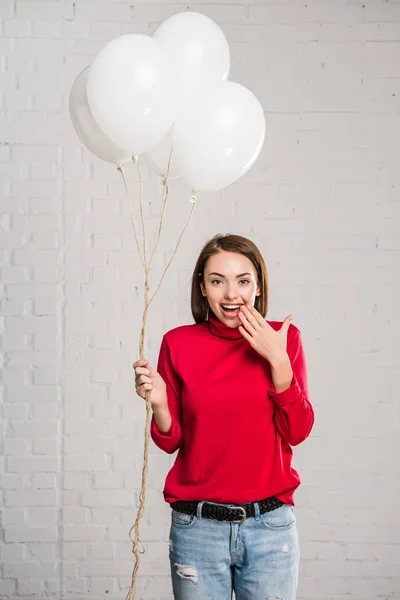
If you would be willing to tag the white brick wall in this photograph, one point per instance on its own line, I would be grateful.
(323, 204)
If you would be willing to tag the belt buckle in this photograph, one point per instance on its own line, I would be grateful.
(243, 518)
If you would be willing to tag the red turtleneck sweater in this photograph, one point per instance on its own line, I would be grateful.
(234, 432)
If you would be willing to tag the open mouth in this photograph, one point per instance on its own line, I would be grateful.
(230, 310)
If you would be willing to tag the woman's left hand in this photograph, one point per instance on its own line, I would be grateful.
(270, 344)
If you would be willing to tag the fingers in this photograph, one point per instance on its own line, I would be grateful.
(142, 389)
(245, 334)
(142, 371)
(144, 386)
(286, 323)
(143, 367)
(143, 379)
(248, 319)
(252, 314)
(140, 363)
(146, 378)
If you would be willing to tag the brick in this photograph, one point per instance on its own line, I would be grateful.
(85, 463)
(312, 12)
(34, 463)
(20, 62)
(35, 153)
(76, 29)
(32, 189)
(110, 481)
(53, 587)
(34, 9)
(14, 274)
(16, 447)
(101, 551)
(15, 411)
(45, 446)
(7, 587)
(39, 515)
(30, 586)
(54, 102)
(47, 29)
(100, 568)
(12, 482)
(12, 516)
(17, 100)
(12, 552)
(105, 31)
(31, 534)
(76, 585)
(75, 481)
(74, 533)
(7, 8)
(112, 498)
(75, 550)
(74, 515)
(8, 82)
(43, 481)
(157, 12)
(100, 10)
(31, 570)
(14, 341)
(12, 308)
(34, 429)
(18, 28)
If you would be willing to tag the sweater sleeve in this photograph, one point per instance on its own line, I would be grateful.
(294, 415)
(171, 440)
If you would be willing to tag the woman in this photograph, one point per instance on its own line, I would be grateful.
(231, 396)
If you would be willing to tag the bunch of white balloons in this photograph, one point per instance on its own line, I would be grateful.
(144, 95)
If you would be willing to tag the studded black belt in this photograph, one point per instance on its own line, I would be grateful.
(234, 513)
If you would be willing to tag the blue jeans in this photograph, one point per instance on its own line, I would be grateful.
(257, 559)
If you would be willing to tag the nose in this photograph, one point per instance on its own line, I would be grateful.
(230, 293)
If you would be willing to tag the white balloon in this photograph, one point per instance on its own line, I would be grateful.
(198, 49)
(159, 157)
(131, 92)
(86, 127)
(219, 136)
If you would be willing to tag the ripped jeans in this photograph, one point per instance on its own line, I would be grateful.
(258, 559)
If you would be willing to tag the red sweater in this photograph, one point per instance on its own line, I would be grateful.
(234, 432)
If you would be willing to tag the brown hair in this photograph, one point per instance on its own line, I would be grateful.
(228, 243)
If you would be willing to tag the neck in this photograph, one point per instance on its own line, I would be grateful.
(219, 329)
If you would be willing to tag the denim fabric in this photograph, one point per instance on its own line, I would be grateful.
(257, 559)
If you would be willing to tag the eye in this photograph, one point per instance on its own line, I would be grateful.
(244, 281)
(216, 281)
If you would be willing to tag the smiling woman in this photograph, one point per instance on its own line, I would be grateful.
(227, 292)
(230, 394)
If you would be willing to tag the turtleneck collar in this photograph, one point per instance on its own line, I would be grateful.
(219, 329)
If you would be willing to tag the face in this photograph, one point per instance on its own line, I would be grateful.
(230, 280)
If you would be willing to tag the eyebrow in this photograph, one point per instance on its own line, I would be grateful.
(223, 276)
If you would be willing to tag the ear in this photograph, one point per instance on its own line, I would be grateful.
(258, 292)
(203, 290)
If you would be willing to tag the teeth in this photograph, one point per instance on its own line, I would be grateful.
(230, 306)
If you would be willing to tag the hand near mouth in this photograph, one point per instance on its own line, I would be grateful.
(265, 340)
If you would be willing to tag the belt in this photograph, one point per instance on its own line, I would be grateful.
(234, 513)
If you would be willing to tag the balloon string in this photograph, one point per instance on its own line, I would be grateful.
(157, 234)
(120, 169)
(193, 200)
(135, 160)
(134, 533)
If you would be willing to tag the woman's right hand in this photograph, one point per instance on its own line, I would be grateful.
(147, 379)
